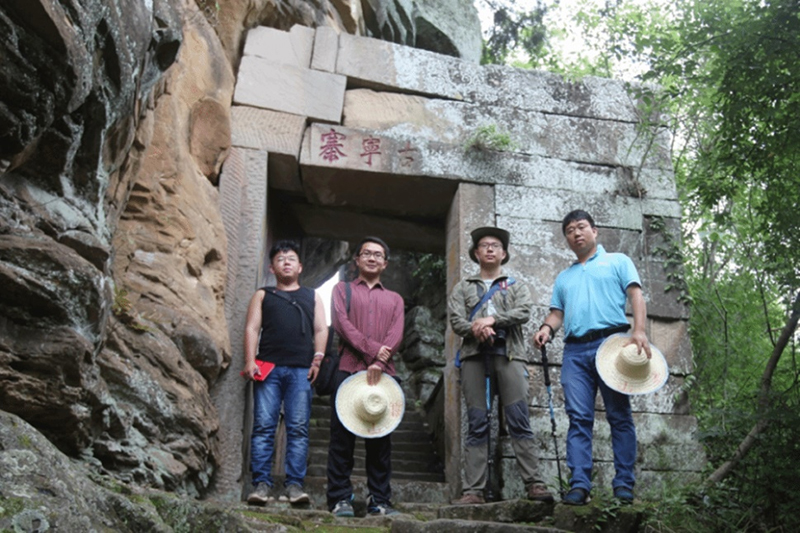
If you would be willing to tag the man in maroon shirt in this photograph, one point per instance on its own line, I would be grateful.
(371, 331)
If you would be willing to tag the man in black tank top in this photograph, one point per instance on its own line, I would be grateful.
(284, 341)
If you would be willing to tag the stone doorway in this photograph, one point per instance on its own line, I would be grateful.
(336, 136)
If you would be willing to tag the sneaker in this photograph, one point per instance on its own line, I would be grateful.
(344, 508)
(624, 495)
(539, 493)
(577, 496)
(296, 495)
(260, 495)
(380, 509)
(469, 498)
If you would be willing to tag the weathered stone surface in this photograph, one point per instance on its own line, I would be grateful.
(243, 202)
(158, 426)
(584, 140)
(451, 28)
(506, 511)
(286, 48)
(586, 519)
(390, 21)
(281, 134)
(326, 48)
(407, 69)
(170, 254)
(289, 89)
(423, 340)
(43, 490)
(321, 259)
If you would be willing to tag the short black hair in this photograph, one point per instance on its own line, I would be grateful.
(284, 246)
(376, 240)
(572, 216)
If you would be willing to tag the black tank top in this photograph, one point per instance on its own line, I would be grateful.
(287, 334)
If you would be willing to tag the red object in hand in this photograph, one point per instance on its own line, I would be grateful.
(264, 368)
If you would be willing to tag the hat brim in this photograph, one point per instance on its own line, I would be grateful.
(347, 396)
(489, 231)
(607, 370)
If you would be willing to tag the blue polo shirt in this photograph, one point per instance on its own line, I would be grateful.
(592, 296)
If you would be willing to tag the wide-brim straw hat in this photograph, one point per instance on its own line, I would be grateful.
(626, 371)
(370, 411)
(489, 231)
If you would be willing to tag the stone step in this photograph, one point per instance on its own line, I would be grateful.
(423, 447)
(316, 433)
(411, 420)
(502, 517)
(400, 467)
(359, 471)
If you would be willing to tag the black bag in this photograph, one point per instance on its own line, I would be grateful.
(325, 383)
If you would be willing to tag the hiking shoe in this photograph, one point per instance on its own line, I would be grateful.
(378, 509)
(470, 498)
(538, 492)
(296, 495)
(577, 496)
(624, 495)
(344, 508)
(260, 495)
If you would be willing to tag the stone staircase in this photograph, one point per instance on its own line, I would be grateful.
(417, 471)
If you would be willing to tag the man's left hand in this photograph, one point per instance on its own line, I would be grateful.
(374, 374)
(640, 340)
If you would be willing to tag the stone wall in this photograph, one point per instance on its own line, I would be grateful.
(380, 142)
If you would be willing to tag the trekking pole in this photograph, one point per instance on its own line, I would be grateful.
(489, 493)
(546, 371)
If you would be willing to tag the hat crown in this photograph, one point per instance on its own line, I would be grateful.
(371, 404)
(632, 362)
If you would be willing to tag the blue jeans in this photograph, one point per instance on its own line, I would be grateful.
(290, 386)
(580, 381)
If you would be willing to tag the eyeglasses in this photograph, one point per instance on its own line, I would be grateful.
(366, 254)
(491, 246)
(287, 259)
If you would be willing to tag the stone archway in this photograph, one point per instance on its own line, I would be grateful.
(338, 136)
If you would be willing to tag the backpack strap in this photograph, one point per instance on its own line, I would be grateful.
(502, 285)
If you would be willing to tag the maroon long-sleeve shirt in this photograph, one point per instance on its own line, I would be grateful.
(376, 319)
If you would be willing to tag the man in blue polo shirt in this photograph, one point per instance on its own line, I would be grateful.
(589, 300)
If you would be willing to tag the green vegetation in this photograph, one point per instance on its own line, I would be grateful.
(489, 137)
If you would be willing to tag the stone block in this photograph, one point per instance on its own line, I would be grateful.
(569, 138)
(286, 48)
(672, 338)
(674, 435)
(671, 398)
(290, 89)
(243, 201)
(326, 48)
(280, 134)
(551, 205)
(380, 64)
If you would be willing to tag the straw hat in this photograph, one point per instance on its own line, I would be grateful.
(370, 411)
(629, 372)
(489, 231)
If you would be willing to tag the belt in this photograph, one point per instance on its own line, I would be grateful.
(597, 334)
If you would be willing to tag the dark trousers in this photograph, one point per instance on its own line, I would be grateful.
(340, 460)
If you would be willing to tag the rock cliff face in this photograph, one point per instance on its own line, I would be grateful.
(114, 122)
